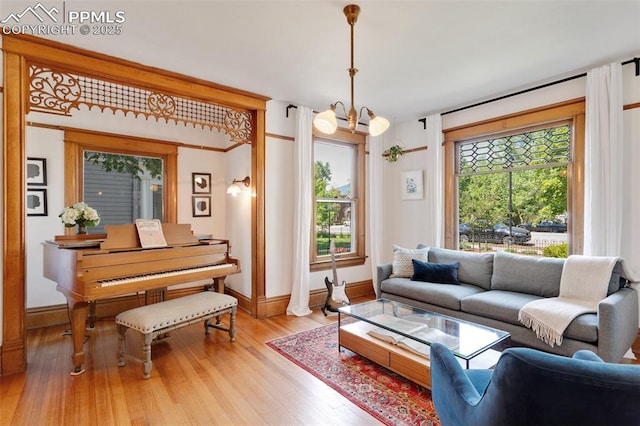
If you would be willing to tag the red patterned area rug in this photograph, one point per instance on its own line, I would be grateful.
(388, 397)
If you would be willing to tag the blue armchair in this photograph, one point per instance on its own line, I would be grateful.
(530, 387)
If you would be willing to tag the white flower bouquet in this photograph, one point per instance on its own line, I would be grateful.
(79, 214)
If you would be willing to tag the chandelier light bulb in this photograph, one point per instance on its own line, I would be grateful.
(377, 125)
(326, 121)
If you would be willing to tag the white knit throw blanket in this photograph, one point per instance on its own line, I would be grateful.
(584, 283)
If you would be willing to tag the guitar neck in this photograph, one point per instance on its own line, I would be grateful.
(332, 250)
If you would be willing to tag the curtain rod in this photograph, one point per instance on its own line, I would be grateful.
(542, 86)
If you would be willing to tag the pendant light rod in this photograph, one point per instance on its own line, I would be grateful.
(326, 121)
(352, 11)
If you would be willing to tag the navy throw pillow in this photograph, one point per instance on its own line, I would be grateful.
(442, 273)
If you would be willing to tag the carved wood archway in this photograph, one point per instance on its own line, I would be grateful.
(20, 53)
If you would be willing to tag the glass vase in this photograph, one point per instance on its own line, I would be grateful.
(82, 229)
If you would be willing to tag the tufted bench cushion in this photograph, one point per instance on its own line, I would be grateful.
(160, 318)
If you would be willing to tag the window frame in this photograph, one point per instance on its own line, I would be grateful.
(319, 263)
(76, 142)
(571, 111)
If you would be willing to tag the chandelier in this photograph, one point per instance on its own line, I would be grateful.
(326, 121)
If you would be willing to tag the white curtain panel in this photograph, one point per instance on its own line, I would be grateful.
(434, 182)
(603, 162)
(375, 196)
(302, 178)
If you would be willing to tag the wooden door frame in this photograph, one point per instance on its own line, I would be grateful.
(18, 51)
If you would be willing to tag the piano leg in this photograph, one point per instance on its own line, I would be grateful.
(79, 311)
(219, 284)
(92, 315)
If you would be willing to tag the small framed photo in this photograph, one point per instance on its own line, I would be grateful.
(201, 183)
(36, 171)
(412, 187)
(201, 206)
(36, 202)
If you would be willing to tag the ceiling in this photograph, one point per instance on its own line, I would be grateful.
(414, 57)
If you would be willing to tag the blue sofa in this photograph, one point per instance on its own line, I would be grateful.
(530, 387)
(495, 286)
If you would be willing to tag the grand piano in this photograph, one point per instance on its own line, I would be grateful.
(93, 268)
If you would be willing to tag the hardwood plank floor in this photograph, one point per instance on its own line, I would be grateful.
(196, 379)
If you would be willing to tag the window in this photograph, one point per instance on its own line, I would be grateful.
(508, 185)
(123, 187)
(122, 177)
(338, 200)
(490, 168)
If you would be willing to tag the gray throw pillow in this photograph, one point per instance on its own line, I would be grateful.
(475, 268)
(539, 276)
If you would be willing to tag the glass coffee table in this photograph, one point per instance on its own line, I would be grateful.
(398, 337)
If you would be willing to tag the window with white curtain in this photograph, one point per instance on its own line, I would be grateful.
(338, 199)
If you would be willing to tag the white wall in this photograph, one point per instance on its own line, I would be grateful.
(279, 215)
(405, 223)
(202, 161)
(238, 215)
(48, 144)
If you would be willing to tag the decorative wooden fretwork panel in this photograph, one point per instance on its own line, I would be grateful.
(59, 92)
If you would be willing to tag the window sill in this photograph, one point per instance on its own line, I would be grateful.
(341, 262)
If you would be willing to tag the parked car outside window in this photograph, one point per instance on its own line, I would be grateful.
(482, 231)
(546, 226)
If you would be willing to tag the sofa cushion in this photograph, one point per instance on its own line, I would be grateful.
(497, 304)
(402, 257)
(444, 295)
(505, 305)
(539, 276)
(475, 268)
(444, 273)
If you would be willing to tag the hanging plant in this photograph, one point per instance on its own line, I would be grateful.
(392, 154)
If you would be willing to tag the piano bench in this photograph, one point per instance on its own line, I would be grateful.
(159, 318)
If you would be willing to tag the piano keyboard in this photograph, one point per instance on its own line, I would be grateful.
(166, 274)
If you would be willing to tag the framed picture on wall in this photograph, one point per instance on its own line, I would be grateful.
(412, 186)
(36, 202)
(201, 183)
(201, 206)
(36, 171)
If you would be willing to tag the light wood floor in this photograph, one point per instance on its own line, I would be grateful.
(196, 379)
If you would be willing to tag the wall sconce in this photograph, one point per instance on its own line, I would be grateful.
(238, 185)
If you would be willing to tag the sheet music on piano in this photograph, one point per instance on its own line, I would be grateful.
(150, 233)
